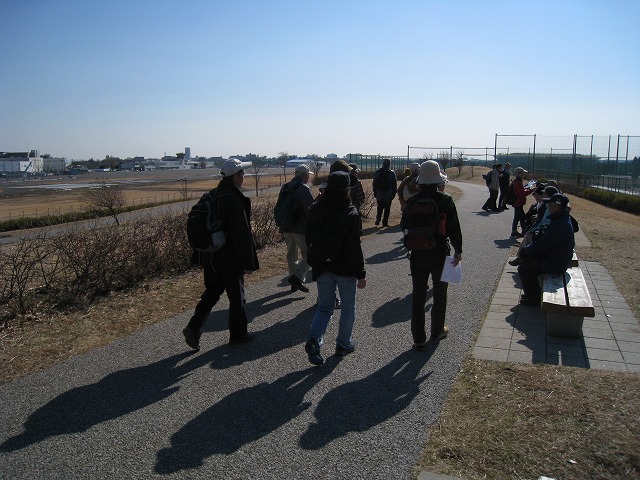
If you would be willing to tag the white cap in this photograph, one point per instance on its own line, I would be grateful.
(233, 166)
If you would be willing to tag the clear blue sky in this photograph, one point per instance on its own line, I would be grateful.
(90, 78)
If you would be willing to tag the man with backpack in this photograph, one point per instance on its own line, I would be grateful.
(493, 183)
(505, 175)
(431, 228)
(385, 184)
(293, 223)
(224, 270)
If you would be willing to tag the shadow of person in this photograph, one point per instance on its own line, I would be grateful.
(240, 418)
(397, 253)
(360, 405)
(504, 243)
(218, 320)
(117, 394)
(279, 336)
(396, 310)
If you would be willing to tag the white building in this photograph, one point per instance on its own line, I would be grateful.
(20, 162)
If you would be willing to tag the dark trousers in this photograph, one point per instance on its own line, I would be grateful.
(518, 217)
(215, 283)
(424, 263)
(491, 201)
(384, 208)
(502, 202)
(529, 272)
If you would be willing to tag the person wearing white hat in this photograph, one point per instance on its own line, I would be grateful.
(225, 269)
(294, 235)
(408, 185)
(429, 260)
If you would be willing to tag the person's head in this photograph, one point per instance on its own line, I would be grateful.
(340, 166)
(507, 166)
(407, 172)
(519, 172)
(557, 203)
(549, 192)
(234, 169)
(538, 193)
(415, 168)
(354, 168)
(303, 172)
(499, 166)
(430, 174)
(386, 163)
(336, 190)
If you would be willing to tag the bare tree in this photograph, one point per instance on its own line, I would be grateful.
(444, 157)
(109, 197)
(255, 169)
(459, 161)
(283, 158)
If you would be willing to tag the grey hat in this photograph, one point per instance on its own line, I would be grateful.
(430, 173)
(549, 192)
(303, 169)
(519, 171)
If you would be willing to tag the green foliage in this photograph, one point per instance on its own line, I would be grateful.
(619, 201)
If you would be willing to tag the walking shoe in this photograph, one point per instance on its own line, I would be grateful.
(296, 284)
(313, 351)
(515, 262)
(192, 338)
(442, 335)
(419, 347)
(342, 351)
(516, 234)
(249, 337)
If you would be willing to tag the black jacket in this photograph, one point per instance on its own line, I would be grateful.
(239, 252)
(342, 241)
(554, 249)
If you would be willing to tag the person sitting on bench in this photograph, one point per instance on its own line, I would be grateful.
(551, 253)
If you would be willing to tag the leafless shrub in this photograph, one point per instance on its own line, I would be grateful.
(369, 201)
(108, 197)
(265, 230)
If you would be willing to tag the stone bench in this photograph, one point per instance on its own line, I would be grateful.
(566, 301)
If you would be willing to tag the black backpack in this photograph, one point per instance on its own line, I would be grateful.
(324, 242)
(287, 212)
(383, 180)
(487, 177)
(423, 225)
(510, 198)
(204, 228)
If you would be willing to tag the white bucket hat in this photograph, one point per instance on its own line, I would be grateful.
(430, 174)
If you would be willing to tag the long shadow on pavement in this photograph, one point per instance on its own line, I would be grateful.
(363, 404)
(117, 394)
(240, 418)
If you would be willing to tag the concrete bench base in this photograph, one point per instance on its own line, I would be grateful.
(562, 325)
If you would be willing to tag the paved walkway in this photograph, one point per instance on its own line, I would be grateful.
(514, 333)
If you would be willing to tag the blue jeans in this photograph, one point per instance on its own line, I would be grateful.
(327, 283)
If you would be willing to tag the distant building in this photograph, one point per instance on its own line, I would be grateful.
(187, 153)
(20, 162)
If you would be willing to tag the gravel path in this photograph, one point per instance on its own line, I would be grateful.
(145, 407)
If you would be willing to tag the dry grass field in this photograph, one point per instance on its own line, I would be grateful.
(501, 421)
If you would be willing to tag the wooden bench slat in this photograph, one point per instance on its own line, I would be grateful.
(553, 294)
(578, 296)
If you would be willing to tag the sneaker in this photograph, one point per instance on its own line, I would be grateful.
(342, 351)
(296, 284)
(515, 262)
(192, 338)
(249, 337)
(516, 234)
(313, 351)
(442, 335)
(419, 347)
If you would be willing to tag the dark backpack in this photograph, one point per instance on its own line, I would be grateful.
(423, 225)
(510, 198)
(204, 227)
(383, 180)
(287, 211)
(324, 243)
(487, 178)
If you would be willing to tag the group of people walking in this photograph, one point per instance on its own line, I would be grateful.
(326, 239)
